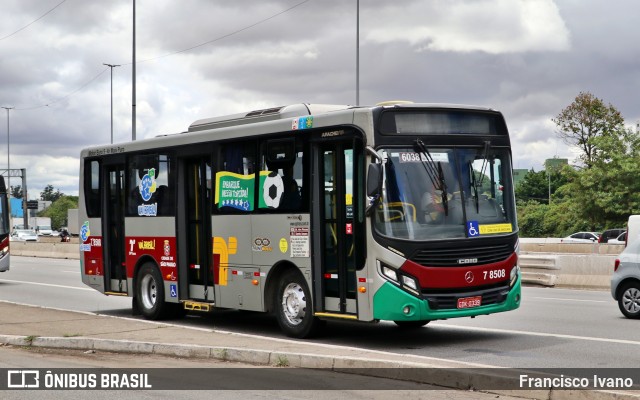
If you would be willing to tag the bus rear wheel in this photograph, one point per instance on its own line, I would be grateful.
(294, 308)
(150, 292)
(411, 324)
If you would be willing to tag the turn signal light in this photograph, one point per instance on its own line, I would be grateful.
(362, 289)
(255, 282)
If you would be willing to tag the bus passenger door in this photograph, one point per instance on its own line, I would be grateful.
(194, 230)
(113, 229)
(335, 255)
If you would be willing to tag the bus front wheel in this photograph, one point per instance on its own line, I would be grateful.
(294, 308)
(150, 292)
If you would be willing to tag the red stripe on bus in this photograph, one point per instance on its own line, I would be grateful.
(462, 276)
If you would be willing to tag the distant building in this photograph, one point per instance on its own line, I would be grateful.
(518, 176)
(555, 163)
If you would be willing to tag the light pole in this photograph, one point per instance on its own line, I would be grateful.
(111, 66)
(8, 158)
(357, 52)
(133, 73)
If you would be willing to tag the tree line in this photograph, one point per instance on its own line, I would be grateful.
(598, 193)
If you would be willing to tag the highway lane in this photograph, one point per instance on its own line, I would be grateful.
(554, 327)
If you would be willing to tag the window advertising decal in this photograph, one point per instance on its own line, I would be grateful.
(234, 190)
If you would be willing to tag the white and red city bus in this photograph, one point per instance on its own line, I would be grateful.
(5, 216)
(400, 212)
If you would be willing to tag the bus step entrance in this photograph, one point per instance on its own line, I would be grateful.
(198, 306)
(335, 315)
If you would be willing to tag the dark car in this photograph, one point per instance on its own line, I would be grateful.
(610, 234)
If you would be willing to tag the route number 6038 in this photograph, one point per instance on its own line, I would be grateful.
(495, 274)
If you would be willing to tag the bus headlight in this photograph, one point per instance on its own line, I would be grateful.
(409, 282)
(406, 282)
(390, 273)
(515, 271)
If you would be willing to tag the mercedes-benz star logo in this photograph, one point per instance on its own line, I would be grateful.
(468, 277)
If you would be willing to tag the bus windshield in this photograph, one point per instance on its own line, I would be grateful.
(444, 193)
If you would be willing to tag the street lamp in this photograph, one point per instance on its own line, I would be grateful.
(357, 52)
(8, 158)
(133, 73)
(111, 66)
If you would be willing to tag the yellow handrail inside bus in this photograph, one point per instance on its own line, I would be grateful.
(400, 213)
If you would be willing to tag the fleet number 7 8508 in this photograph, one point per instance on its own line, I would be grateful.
(495, 274)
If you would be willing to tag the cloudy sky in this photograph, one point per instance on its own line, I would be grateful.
(203, 58)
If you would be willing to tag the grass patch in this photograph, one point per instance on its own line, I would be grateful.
(282, 361)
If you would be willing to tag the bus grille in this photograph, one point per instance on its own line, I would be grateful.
(449, 301)
(449, 257)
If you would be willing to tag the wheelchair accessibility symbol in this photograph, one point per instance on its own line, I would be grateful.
(173, 290)
(473, 229)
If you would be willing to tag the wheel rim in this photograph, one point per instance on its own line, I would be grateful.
(294, 303)
(149, 291)
(631, 300)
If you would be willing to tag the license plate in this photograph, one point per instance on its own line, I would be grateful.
(469, 302)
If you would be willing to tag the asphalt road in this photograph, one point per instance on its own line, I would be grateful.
(554, 328)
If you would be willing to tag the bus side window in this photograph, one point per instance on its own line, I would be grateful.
(285, 157)
(92, 188)
(238, 158)
(165, 189)
(149, 186)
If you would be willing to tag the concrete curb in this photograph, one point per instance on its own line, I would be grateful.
(454, 378)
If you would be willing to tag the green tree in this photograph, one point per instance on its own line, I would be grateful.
(536, 185)
(49, 195)
(16, 192)
(58, 210)
(531, 215)
(584, 120)
(609, 191)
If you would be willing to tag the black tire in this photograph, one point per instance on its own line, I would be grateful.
(294, 307)
(629, 300)
(150, 293)
(411, 324)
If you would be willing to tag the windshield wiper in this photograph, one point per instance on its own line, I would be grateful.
(474, 180)
(485, 161)
(436, 175)
(474, 186)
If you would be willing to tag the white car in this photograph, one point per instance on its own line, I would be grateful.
(23, 235)
(582, 237)
(621, 239)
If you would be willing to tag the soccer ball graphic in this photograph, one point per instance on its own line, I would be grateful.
(272, 190)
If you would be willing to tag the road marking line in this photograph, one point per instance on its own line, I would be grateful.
(47, 284)
(542, 334)
(558, 298)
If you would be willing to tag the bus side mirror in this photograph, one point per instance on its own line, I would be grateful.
(374, 186)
